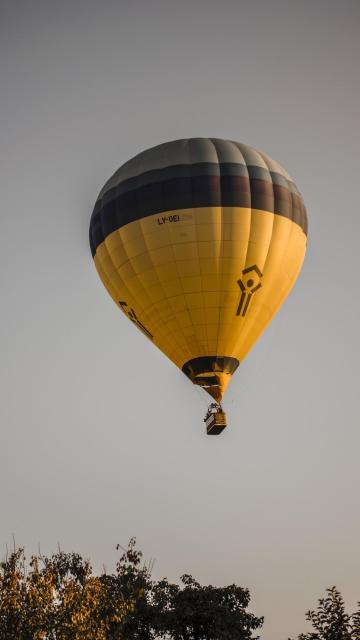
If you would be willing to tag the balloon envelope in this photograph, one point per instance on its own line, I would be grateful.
(198, 242)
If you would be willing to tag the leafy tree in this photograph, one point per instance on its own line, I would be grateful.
(187, 612)
(196, 612)
(331, 622)
(59, 598)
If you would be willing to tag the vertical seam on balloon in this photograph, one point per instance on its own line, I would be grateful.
(250, 324)
(170, 244)
(177, 262)
(198, 256)
(183, 292)
(241, 156)
(241, 332)
(221, 254)
(149, 255)
(273, 215)
(274, 220)
(181, 284)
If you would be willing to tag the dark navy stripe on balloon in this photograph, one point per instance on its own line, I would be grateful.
(192, 191)
(192, 170)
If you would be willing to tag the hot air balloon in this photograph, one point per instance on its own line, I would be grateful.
(198, 242)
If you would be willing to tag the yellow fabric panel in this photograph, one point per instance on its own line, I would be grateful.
(178, 281)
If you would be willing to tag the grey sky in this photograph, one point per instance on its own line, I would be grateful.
(101, 436)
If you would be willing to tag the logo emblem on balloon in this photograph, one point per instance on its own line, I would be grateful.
(248, 285)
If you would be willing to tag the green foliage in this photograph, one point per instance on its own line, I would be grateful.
(331, 622)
